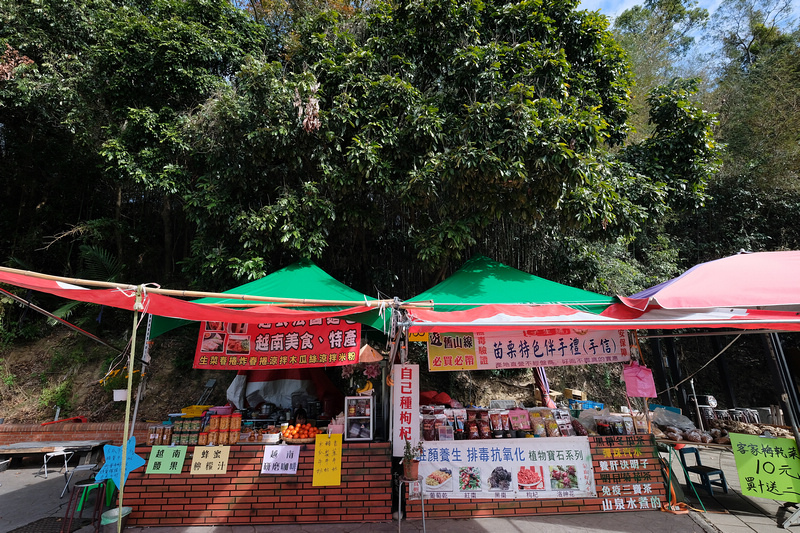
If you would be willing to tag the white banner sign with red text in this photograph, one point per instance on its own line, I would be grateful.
(405, 404)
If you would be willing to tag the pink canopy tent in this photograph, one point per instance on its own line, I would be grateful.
(752, 280)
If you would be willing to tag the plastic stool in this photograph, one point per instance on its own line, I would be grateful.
(76, 500)
(705, 472)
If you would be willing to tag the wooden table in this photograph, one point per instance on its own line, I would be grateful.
(711, 445)
(89, 451)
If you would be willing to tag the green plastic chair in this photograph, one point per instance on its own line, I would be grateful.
(88, 485)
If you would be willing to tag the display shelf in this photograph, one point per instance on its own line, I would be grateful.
(358, 418)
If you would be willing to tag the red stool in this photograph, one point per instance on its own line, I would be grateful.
(76, 500)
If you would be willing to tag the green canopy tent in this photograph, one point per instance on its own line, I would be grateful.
(302, 280)
(482, 281)
(295, 286)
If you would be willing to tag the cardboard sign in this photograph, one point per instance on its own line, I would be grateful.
(280, 459)
(768, 467)
(210, 460)
(112, 469)
(166, 460)
(328, 460)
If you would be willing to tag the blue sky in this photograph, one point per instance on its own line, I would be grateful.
(612, 8)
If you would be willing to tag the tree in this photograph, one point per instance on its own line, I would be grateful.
(434, 120)
(105, 97)
(657, 37)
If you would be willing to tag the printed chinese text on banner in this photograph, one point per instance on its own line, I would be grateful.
(528, 348)
(405, 407)
(768, 467)
(524, 468)
(265, 346)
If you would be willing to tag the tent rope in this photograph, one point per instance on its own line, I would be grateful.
(693, 374)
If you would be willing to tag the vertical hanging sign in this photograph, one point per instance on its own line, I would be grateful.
(405, 402)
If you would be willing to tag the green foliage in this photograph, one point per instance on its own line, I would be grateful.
(6, 376)
(57, 395)
(69, 357)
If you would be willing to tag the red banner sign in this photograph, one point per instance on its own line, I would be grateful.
(263, 346)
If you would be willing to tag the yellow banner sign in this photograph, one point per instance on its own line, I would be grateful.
(328, 460)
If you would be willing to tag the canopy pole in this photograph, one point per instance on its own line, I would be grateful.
(137, 307)
(145, 363)
(789, 392)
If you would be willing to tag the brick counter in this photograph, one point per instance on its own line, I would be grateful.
(245, 496)
(627, 475)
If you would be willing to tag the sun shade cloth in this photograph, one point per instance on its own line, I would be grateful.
(761, 279)
(166, 306)
(482, 281)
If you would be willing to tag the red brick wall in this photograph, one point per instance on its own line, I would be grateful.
(244, 496)
(64, 431)
(617, 482)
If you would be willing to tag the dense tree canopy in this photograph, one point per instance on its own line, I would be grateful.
(204, 143)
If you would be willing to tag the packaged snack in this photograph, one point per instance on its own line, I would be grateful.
(495, 421)
(519, 419)
(428, 427)
(537, 424)
(472, 430)
(505, 420)
(578, 427)
(439, 421)
(484, 429)
(460, 417)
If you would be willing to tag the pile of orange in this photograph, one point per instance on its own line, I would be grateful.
(301, 431)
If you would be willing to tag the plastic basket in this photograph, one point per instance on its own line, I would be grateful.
(108, 520)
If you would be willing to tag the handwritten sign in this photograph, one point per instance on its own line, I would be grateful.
(328, 460)
(280, 459)
(210, 460)
(768, 468)
(166, 460)
(112, 469)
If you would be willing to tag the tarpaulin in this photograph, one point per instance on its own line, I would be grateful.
(617, 316)
(167, 306)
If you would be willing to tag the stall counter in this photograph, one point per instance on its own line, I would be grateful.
(243, 495)
(627, 477)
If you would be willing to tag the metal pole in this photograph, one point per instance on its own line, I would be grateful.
(790, 393)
